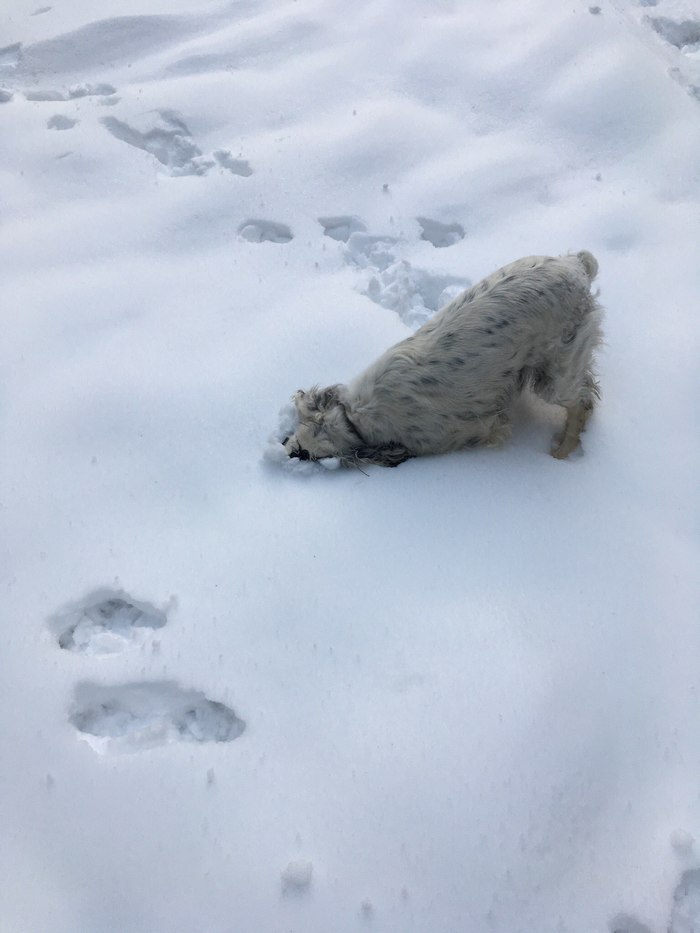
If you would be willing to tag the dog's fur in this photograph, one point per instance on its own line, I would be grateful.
(452, 384)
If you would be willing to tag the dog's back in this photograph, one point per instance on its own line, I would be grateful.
(554, 289)
(533, 322)
(452, 383)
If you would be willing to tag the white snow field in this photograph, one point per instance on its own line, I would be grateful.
(462, 696)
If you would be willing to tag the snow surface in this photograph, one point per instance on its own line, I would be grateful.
(470, 686)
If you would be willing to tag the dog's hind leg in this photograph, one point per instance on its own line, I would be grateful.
(576, 418)
(567, 379)
(577, 415)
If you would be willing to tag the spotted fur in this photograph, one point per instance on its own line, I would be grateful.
(452, 384)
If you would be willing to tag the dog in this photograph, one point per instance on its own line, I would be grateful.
(451, 385)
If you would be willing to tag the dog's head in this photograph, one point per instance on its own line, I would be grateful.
(324, 429)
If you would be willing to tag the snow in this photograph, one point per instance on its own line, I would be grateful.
(465, 691)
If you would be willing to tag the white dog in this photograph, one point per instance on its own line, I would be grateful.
(453, 383)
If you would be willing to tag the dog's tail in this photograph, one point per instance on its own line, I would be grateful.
(589, 263)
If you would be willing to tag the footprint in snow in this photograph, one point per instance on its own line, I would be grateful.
(439, 234)
(684, 35)
(137, 716)
(265, 231)
(685, 911)
(91, 90)
(296, 878)
(342, 227)
(624, 923)
(685, 915)
(10, 57)
(44, 95)
(235, 166)
(75, 92)
(106, 622)
(168, 139)
(5, 96)
(60, 122)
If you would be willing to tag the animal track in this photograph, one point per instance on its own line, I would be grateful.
(439, 234)
(91, 90)
(10, 56)
(59, 122)
(45, 95)
(340, 228)
(170, 142)
(296, 878)
(5, 96)
(106, 622)
(685, 912)
(235, 166)
(265, 231)
(74, 93)
(683, 35)
(681, 40)
(685, 916)
(137, 716)
(415, 294)
(624, 923)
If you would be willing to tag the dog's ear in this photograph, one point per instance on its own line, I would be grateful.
(387, 455)
(316, 400)
(301, 401)
(326, 398)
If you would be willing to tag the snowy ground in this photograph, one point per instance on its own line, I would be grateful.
(463, 695)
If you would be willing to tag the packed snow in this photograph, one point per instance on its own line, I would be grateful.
(244, 693)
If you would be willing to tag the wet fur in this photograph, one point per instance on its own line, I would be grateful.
(452, 384)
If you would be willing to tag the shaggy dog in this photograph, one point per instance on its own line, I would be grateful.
(452, 384)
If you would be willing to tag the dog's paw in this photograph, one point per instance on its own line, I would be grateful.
(565, 449)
